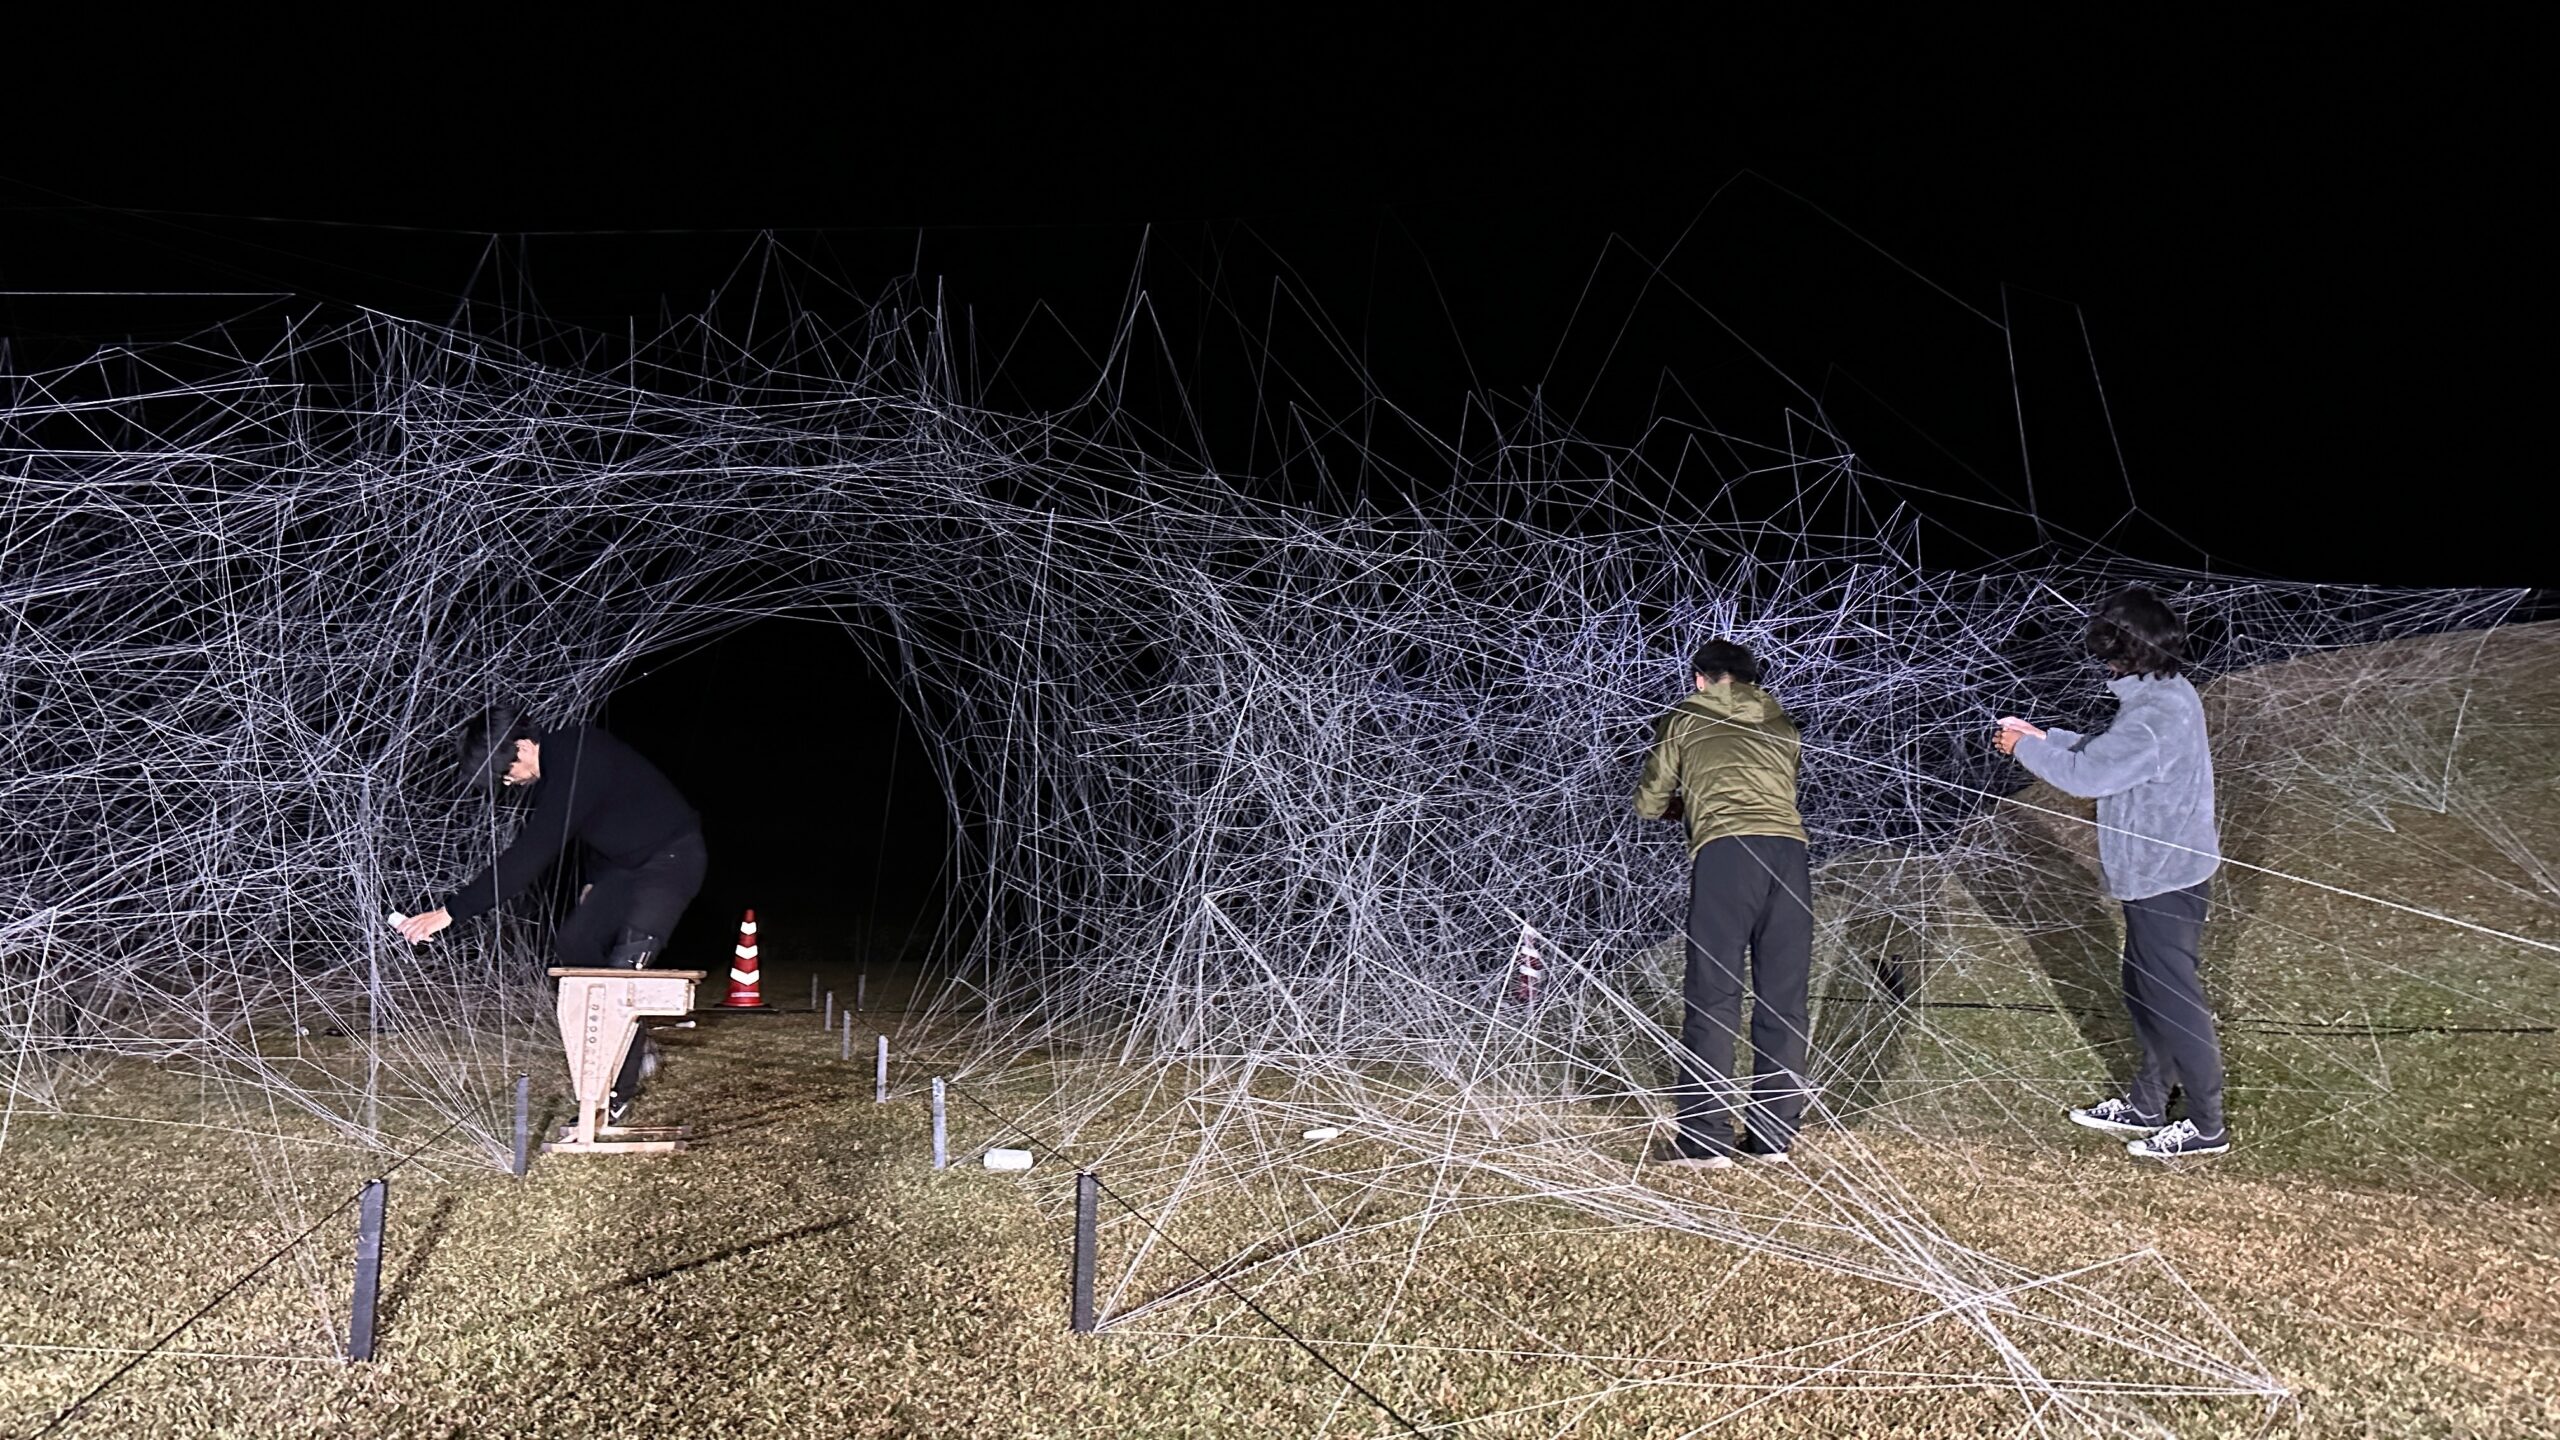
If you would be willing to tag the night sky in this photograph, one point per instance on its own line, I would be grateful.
(2297, 256)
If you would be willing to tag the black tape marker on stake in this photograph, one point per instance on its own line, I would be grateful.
(368, 1268)
(524, 1124)
(1088, 1207)
(941, 1132)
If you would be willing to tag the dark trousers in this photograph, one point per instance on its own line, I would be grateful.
(1747, 894)
(2172, 1020)
(624, 919)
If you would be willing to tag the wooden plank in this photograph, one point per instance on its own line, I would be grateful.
(600, 1147)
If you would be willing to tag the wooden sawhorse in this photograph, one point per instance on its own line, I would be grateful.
(600, 1012)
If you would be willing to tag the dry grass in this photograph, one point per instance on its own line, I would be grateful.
(805, 1272)
(2385, 1244)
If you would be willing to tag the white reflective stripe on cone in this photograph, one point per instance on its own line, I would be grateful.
(747, 952)
(747, 928)
(743, 977)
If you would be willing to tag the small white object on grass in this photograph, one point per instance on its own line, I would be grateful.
(1328, 1132)
(1001, 1159)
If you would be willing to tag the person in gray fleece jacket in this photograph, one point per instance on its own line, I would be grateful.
(2152, 777)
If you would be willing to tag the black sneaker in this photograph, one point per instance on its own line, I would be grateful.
(618, 1108)
(1761, 1152)
(2178, 1141)
(2117, 1117)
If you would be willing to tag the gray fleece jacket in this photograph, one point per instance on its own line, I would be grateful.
(2153, 780)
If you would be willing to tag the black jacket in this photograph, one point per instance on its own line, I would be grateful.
(595, 790)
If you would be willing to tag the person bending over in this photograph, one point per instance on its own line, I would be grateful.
(1725, 759)
(2152, 777)
(643, 843)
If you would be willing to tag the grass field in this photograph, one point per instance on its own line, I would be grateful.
(2379, 1256)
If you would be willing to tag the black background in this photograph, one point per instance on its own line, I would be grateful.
(2303, 255)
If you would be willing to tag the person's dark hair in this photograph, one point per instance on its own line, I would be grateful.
(488, 744)
(2138, 634)
(1723, 657)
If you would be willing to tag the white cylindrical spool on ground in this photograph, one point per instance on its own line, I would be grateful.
(1328, 1132)
(1001, 1159)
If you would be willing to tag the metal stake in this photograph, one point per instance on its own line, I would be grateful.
(829, 1023)
(941, 1135)
(1088, 1202)
(846, 1051)
(861, 986)
(1896, 973)
(880, 1075)
(524, 1124)
(368, 1267)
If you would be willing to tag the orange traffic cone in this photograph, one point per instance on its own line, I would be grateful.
(744, 993)
(1527, 967)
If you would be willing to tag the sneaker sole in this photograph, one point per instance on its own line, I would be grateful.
(1694, 1162)
(2137, 1152)
(1779, 1157)
(2114, 1127)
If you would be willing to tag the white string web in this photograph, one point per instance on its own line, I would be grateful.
(1259, 805)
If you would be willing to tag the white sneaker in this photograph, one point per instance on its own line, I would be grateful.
(1760, 1153)
(2117, 1117)
(1680, 1154)
(1696, 1162)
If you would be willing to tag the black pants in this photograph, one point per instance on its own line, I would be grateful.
(624, 920)
(1747, 893)
(2172, 1020)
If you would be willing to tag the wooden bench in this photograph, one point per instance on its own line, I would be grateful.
(600, 1014)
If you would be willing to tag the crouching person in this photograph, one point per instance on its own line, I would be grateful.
(643, 843)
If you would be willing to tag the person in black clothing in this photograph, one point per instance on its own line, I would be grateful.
(645, 856)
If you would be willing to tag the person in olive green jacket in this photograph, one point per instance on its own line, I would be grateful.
(1725, 759)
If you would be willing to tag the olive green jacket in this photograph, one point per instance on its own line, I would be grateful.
(1728, 755)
